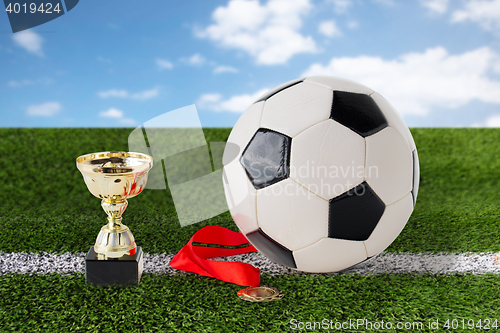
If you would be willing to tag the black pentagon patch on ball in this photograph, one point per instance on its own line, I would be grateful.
(359, 112)
(266, 158)
(271, 249)
(278, 89)
(355, 214)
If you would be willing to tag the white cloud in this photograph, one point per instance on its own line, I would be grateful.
(48, 109)
(268, 32)
(341, 6)
(105, 60)
(122, 93)
(111, 113)
(209, 98)
(237, 103)
(493, 121)
(30, 41)
(353, 24)
(146, 94)
(436, 6)
(417, 82)
(118, 115)
(113, 93)
(225, 69)
(26, 82)
(20, 83)
(386, 2)
(329, 29)
(164, 64)
(194, 60)
(485, 13)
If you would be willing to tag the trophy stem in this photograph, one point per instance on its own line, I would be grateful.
(114, 209)
(115, 238)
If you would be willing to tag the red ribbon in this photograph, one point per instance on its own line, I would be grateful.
(192, 258)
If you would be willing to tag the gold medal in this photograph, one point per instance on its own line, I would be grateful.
(260, 294)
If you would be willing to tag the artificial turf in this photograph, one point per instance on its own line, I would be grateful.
(54, 303)
(45, 206)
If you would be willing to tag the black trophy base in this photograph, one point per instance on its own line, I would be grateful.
(126, 270)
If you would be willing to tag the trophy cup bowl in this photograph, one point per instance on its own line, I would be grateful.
(115, 177)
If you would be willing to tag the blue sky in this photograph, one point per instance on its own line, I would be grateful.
(119, 63)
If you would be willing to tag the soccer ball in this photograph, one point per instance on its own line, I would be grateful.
(326, 175)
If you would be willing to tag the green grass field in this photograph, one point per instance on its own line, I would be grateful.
(45, 206)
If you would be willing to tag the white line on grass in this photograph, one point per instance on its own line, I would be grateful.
(68, 263)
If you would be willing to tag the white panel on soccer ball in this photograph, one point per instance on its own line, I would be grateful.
(292, 110)
(329, 255)
(389, 165)
(244, 129)
(328, 159)
(390, 225)
(394, 118)
(416, 175)
(291, 215)
(240, 196)
(336, 83)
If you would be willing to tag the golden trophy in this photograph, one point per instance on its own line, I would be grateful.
(114, 177)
